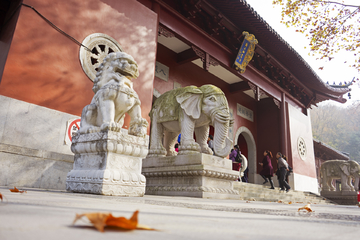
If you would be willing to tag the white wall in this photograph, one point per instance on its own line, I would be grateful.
(32, 148)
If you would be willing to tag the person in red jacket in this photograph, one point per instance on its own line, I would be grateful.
(267, 171)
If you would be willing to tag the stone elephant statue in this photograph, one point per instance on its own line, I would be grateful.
(340, 169)
(187, 111)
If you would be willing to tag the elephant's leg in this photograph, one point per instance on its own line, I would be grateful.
(202, 134)
(156, 135)
(138, 125)
(324, 181)
(350, 183)
(330, 184)
(169, 142)
(188, 144)
(356, 184)
(344, 183)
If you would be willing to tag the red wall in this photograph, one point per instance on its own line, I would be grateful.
(43, 65)
(268, 125)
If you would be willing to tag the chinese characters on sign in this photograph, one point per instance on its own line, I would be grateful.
(244, 112)
(242, 53)
(246, 52)
(161, 71)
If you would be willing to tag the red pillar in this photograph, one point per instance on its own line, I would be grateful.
(283, 126)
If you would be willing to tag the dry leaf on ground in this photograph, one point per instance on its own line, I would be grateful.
(306, 207)
(17, 190)
(290, 202)
(100, 220)
(1, 197)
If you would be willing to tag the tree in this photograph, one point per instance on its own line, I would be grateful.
(338, 127)
(330, 26)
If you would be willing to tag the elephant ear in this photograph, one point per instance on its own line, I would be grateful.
(345, 168)
(191, 101)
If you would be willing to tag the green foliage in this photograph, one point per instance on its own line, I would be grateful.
(330, 26)
(338, 127)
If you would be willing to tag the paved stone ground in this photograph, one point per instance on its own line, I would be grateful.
(40, 214)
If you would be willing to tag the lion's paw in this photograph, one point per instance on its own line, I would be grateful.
(111, 126)
(138, 128)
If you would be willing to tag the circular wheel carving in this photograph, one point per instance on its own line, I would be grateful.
(100, 45)
(301, 148)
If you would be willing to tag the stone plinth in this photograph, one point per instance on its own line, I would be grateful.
(341, 197)
(108, 163)
(195, 175)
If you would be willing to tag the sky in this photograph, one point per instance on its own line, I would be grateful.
(334, 71)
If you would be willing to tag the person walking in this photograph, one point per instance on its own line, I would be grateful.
(235, 165)
(267, 169)
(283, 168)
(211, 143)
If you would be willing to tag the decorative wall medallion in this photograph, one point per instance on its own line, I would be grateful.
(301, 146)
(101, 45)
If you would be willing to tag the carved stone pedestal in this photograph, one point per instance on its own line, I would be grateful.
(341, 197)
(108, 163)
(195, 175)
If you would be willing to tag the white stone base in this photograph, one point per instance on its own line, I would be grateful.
(341, 197)
(303, 183)
(108, 163)
(195, 175)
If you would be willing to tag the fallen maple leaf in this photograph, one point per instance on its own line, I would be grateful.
(290, 202)
(306, 207)
(97, 219)
(17, 190)
(100, 220)
(1, 197)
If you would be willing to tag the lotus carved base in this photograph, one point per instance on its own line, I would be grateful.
(108, 163)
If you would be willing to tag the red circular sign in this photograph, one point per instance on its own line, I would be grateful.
(74, 126)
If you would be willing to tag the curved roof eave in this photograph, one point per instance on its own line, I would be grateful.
(242, 14)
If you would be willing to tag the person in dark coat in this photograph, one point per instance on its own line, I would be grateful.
(283, 169)
(267, 171)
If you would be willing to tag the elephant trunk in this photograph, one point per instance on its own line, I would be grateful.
(357, 179)
(222, 144)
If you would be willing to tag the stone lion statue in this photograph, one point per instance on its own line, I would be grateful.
(114, 96)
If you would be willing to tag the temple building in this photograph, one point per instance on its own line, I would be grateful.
(51, 51)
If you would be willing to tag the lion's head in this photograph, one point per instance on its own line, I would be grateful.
(116, 66)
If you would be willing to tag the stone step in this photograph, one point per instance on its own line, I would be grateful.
(256, 192)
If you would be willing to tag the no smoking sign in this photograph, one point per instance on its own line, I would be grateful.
(72, 127)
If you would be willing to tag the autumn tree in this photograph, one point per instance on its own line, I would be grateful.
(330, 26)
